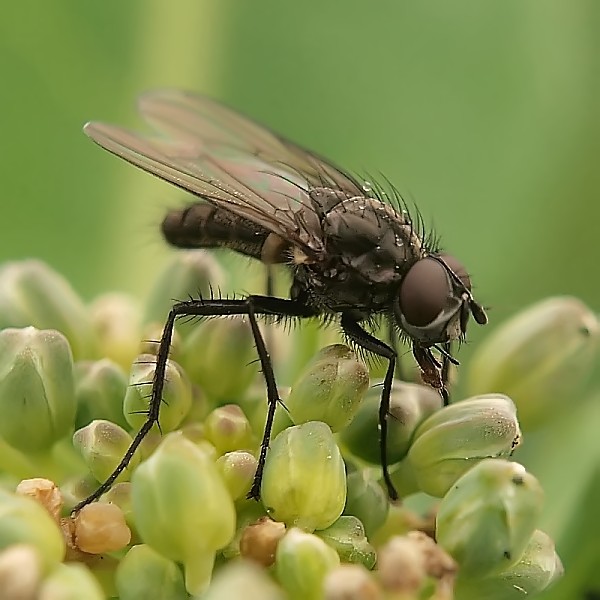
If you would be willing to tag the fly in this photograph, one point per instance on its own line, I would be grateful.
(353, 250)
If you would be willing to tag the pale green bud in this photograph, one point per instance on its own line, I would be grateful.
(31, 293)
(351, 582)
(330, 389)
(25, 521)
(191, 273)
(347, 537)
(20, 572)
(486, 520)
(116, 323)
(200, 407)
(410, 405)
(182, 508)
(144, 573)
(453, 439)
(176, 396)
(367, 501)
(540, 358)
(243, 579)
(102, 445)
(538, 567)
(219, 356)
(302, 562)
(100, 387)
(37, 396)
(404, 478)
(237, 470)
(228, 429)
(72, 581)
(304, 481)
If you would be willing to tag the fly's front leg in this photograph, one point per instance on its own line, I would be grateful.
(365, 340)
(446, 362)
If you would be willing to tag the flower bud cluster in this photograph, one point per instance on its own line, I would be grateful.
(74, 390)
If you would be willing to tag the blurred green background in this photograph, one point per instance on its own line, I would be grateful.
(486, 114)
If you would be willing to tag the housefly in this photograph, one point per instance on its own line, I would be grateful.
(353, 251)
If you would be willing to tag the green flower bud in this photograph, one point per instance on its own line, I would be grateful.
(20, 572)
(144, 573)
(182, 508)
(24, 521)
(304, 481)
(486, 520)
(116, 323)
(71, 581)
(330, 389)
(410, 404)
(453, 439)
(76, 489)
(190, 274)
(237, 469)
(102, 445)
(540, 358)
(536, 570)
(347, 537)
(302, 563)
(33, 294)
(243, 579)
(219, 356)
(367, 501)
(199, 409)
(99, 390)
(37, 397)
(228, 429)
(351, 582)
(176, 396)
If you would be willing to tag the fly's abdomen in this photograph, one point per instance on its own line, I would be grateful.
(203, 225)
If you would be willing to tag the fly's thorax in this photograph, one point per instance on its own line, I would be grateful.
(324, 199)
(370, 237)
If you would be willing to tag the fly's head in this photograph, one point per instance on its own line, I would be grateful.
(434, 301)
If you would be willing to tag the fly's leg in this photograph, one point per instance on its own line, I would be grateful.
(446, 373)
(370, 343)
(393, 341)
(250, 306)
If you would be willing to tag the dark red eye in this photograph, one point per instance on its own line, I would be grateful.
(424, 292)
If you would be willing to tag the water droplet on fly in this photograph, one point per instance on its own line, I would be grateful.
(367, 186)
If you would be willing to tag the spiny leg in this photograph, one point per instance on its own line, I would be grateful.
(251, 306)
(394, 341)
(365, 340)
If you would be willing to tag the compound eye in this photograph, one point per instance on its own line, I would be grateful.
(424, 292)
(458, 269)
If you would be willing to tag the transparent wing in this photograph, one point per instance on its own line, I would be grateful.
(228, 160)
(178, 113)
